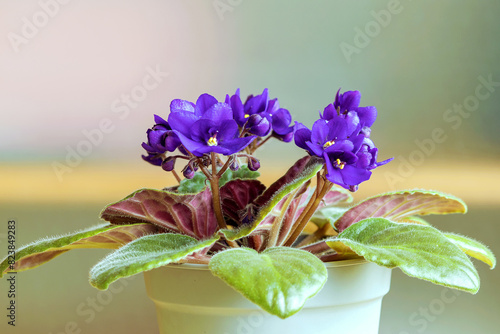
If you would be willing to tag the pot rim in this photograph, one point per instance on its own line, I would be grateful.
(332, 264)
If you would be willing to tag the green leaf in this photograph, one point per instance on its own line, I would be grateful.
(198, 182)
(328, 215)
(279, 280)
(101, 236)
(194, 185)
(342, 251)
(143, 254)
(419, 251)
(473, 248)
(302, 171)
(400, 204)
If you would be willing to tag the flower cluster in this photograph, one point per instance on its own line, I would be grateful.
(342, 138)
(201, 131)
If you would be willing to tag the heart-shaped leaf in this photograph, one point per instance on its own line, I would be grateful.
(473, 248)
(400, 204)
(418, 250)
(101, 236)
(302, 171)
(279, 280)
(143, 254)
(188, 214)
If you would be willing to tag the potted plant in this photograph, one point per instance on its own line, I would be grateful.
(220, 248)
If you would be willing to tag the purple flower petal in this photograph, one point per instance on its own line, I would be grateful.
(354, 176)
(347, 101)
(228, 129)
(161, 121)
(190, 145)
(367, 115)
(257, 104)
(237, 144)
(302, 135)
(237, 106)
(182, 121)
(320, 131)
(329, 112)
(218, 112)
(153, 159)
(204, 102)
(258, 125)
(181, 105)
(281, 121)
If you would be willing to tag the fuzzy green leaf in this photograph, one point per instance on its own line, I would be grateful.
(199, 181)
(302, 171)
(473, 248)
(400, 204)
(328, 215)
(143, 254)
(101, 236)
(419, 251)
(279, 280)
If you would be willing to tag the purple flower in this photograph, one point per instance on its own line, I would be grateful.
(260, 115)
(281, 125)
(349, 156)
(207, 126)
(153, 158)
(161, 139)
(348, 103)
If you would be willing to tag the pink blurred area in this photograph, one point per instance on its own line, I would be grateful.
(80, 59)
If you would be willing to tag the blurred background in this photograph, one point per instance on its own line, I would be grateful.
(80, 82)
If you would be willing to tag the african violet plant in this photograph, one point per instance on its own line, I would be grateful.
(252, 236)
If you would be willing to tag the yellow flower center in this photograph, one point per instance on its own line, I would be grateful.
(246, 115)
(329, 143)
(213, 141)
(340, 164)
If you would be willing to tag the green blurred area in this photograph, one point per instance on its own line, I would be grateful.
(421, 61)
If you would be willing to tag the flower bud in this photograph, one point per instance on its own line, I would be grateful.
(258, 125)
(234, 166)
(188, 172)
(168, 164)
(253, 164)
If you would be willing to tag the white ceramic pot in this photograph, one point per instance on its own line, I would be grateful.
(190, 300)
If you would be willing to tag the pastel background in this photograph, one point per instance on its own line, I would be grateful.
(81, 80)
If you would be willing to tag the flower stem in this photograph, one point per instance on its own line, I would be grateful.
(317, 235)
(260, 144)
(278, 222)
(214, 184)
(176, 176)
(225, 167)
(322, 188)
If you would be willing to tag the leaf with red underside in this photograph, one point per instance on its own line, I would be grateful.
(290, 177)
(190, 214)
(102, 236)
(400, 204)
(237, 194)
(301, 172)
